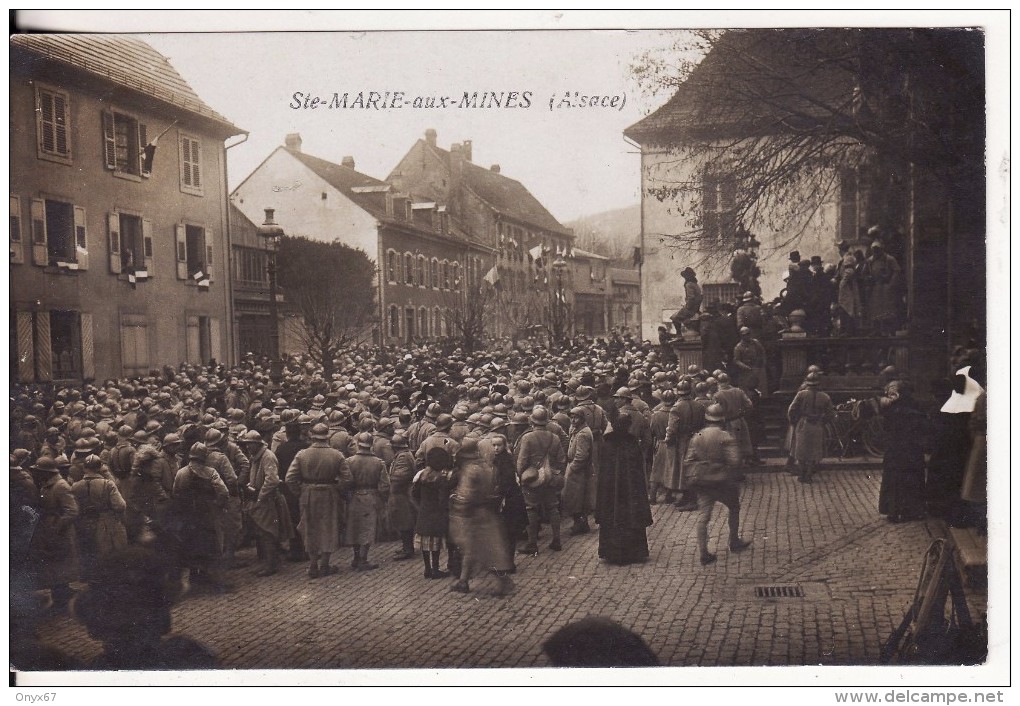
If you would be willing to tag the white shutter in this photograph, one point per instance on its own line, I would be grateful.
(109, 142)
(43, 351)
(17, 237)
(26, 346)
(214, 339)
(88, 362)
(81, 238)
(40, 255)
(147, 246)
(113, 241)
(181, 236)
(193, 340)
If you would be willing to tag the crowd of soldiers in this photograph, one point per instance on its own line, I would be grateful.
(200, 461)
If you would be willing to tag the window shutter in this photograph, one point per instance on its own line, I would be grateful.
(44, 120)
(181, 236)
(147, 245)
(193, 340)
(60, 125)
(196, 164)
(214, 338)
(113, 240)
(88, 355)
(26, 347)
(208, 259)
(185, 160)
(81, 242)
(17, 244)
(143, 140)
(40, 256)
(109, 141)
(43, 352)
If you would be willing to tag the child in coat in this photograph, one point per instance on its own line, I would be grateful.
(430, 493)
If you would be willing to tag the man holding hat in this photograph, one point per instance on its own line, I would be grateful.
(711, 460)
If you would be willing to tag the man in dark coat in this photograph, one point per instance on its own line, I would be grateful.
(285, 455)
(901, 495)
(622, 511)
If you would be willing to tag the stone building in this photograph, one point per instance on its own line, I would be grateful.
(117, 252)
(500, 216)
(425, 261)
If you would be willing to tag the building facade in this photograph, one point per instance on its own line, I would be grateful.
(117, 252)
(806, 138)
(500, 216)
(625, 300)
(425, 263)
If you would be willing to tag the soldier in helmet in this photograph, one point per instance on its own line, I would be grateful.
(536, 448)
(267, 509)
(199, 499)
(399, 509)
(53, 551)
(711, 460)
(216, 442)
(99, 523)
(369, 487)
(808, 412)
(317, 475)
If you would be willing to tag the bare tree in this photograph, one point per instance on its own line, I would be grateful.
(776, 118)
(329, 287)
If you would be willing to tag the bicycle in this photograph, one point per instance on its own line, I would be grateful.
(856, 425)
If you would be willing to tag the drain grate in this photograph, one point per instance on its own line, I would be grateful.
(780, 591)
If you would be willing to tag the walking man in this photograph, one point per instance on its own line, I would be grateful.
(712, 460)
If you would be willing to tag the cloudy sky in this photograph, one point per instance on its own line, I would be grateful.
(575, 161)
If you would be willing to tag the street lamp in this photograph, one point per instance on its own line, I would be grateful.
(272, 232)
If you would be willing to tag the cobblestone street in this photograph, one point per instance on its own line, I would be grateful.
(857, 571)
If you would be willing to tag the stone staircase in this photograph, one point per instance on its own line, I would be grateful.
(769, 435)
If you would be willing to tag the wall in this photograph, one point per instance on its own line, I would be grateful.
(163, 301)
(665, 255)
(295, 192)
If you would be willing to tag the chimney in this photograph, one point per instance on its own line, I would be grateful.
(494, 168)
(293, 141)
(467, 150)
(430, 137)
(348, 161)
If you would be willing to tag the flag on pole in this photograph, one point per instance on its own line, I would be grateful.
(149, 152)
(492, 276)
(536, 254)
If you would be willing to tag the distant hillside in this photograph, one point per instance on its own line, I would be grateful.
(611, 233)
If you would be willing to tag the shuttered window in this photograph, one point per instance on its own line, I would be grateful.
(134, 345)
(124, 140)
(191, 165)
(53, 124)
